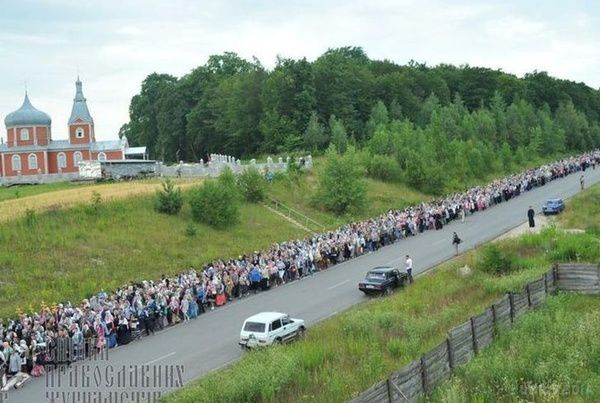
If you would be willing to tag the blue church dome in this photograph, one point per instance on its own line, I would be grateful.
(27, 115)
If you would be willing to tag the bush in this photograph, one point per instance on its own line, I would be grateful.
(496, 261)
(252, 185)
(169, 199)
(341, 184)
(30, 218)
(217, 203)
(384, 168)
(191, 230)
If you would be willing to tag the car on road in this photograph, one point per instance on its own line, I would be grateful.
(267, 328)
(382, 280)
(553, 206)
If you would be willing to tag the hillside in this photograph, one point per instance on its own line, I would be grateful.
(72, 250)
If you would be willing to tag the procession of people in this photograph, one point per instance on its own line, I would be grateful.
(67, 332)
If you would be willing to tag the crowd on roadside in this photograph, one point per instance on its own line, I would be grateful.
(68, 332)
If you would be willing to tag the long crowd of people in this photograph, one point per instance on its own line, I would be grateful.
(68, 332)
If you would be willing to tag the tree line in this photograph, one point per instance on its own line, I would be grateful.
(427, 124)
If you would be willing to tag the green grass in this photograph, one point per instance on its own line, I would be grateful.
(551, 355)
(19, 191)
(583, 211)
(72, 254)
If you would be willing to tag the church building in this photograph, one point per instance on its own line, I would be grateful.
(30, 150)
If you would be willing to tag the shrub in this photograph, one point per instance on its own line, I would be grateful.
(497, 261)
(217, 203)
(95, 203)
(341, 184)
(169, 199)
(30, 218)
(191, 230)
(384, 168)
(252, 185)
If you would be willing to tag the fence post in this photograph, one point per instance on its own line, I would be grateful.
(555, 275)
(475, 348)
(528, 295)
(511, 303)
(450, 353)
(423, 375)
(388, 383)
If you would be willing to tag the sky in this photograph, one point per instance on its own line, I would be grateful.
(115, 44)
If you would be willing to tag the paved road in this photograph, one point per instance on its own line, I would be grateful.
(210, 341)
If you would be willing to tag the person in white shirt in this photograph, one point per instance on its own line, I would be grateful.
(409, 268)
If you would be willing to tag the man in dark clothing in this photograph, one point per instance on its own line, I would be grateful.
(530, 216)
(456, 241)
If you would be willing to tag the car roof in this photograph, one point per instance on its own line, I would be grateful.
(554, 200)
(381, 269)
(265, 317)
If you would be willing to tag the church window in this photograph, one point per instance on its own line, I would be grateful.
(79, 133)
(24, 134)
(32, 161)
(77, 157)
(101, 157)
(62, 160)
(16, 163)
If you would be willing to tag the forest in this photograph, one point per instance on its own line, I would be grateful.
(428, 126)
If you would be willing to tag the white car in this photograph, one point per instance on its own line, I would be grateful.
(268, 328)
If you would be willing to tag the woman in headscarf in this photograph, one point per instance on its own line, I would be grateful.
(100, 329)
(193, 307)
(123, 331)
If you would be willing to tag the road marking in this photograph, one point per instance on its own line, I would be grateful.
(326, 317)
(159, 358)
(337, 285)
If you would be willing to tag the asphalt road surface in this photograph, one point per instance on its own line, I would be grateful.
(187, 351)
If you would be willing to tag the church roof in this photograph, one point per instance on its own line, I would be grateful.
(80, 111)
(27, 115)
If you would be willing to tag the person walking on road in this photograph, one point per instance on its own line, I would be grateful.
(530, 217)
(581, 182)
(455, 241)
(409, 268)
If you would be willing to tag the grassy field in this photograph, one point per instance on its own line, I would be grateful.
(382, 197)
(71, 254)
(584, 211)
(345, 355)
(15, 192)
(551, 355)
(52, 197)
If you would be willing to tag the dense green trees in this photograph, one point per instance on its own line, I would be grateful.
(439, 124)
(234, 106)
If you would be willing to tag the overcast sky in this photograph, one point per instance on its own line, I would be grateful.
(115, 44)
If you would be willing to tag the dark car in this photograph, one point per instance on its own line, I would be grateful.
(382, 280)
(553, 206)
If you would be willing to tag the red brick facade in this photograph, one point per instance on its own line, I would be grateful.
(30, 150)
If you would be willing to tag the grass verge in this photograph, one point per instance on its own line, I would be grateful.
(551, 355)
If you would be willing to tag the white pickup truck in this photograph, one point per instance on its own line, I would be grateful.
(267, 328)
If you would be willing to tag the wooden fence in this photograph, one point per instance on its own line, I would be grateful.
(420, 377)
